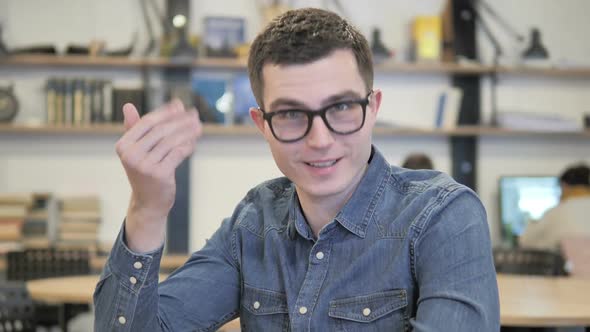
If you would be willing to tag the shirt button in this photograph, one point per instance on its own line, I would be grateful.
(256, 305)
(133, 280)
(137, 265)
(319, 255)
(122, 320)
(303, 310)
(366, 312)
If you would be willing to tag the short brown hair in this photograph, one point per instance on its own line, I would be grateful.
(418, 161)
(302, 36)
(576, 175)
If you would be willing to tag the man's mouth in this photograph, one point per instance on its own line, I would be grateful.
(322, 164)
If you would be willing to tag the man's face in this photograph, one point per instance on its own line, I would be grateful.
(323, 164)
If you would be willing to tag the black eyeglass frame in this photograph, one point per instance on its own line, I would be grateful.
(267, 116)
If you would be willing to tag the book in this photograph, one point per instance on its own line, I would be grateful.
(427, 38)
(78, 236)
(51, 101)
(549, 122)
(36, 242)
(80, 216)
(11, 231)
(15, 199)
(79, 203)
(121, 96)
(82, 226)
(13, 211)
(448, 107)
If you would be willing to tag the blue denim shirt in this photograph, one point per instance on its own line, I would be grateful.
(410, 250)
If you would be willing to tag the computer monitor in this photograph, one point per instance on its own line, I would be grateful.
(524, 198)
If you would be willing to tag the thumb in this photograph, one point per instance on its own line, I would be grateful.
(130, 115)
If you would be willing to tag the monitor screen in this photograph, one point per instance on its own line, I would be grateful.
(525, 198)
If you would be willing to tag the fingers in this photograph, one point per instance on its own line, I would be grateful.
(176, 156)
(181, 125)
(139, 127)
(130, 116)
(175, 136)
(154, 118)
(183, 132)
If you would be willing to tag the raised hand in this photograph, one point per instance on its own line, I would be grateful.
(150, 150)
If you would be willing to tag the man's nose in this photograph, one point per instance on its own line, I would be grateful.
(319, 135)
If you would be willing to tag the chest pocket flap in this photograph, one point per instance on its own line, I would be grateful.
(263, 302)
(367, 308)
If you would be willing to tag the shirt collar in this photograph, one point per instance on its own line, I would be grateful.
(357, 212)
(359, 209)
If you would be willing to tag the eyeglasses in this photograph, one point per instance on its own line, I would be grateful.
(343, 117)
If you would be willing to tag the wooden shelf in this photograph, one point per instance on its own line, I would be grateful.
(221, 130)
(100, 129)
(432, 68)
(240, 64)
(71, 61)
(502, 132)
(548, 72)
(213, 63)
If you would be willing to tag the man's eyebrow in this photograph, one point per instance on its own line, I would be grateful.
(287, 102)
(344, 95)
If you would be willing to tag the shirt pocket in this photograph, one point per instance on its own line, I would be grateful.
(264, 310)
(381, 311)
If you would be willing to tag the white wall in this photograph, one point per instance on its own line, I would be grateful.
(223, 169)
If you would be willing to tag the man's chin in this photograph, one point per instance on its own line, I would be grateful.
(319, 190)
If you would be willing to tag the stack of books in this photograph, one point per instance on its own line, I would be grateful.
(13, 211)
(79, 222)
(85, 101)
(35, 231)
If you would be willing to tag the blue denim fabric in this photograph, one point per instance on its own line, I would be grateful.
(409, 251)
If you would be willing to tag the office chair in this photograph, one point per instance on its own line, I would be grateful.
(17, 312)
(47, 263)
(529, 262)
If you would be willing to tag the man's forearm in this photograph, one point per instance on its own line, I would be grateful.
(128, 286)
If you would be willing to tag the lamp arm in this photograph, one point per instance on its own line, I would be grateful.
(507, 27)
(487, 31)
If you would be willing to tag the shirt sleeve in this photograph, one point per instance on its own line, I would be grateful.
(201, 295)
(454, 269)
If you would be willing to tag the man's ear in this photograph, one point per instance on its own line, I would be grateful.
(256, 115)
(376, 101)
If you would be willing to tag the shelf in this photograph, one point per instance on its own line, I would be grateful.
(215, 63)
(548, 72)
(241, 63)
(221, 130)
(72, 61)
(120, 62)
(502, 132)
(432, 68)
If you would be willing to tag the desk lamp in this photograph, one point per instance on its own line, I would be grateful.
(476, 5)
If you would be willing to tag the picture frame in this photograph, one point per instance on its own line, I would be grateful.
(222, 34)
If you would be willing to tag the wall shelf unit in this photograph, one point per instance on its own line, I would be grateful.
(240, 64)
(229, 131)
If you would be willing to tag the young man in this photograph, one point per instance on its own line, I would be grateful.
(568, 219)
(345, 242)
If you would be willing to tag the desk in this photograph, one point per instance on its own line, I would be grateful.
(524, 300)
(535, 301)
(77, 290)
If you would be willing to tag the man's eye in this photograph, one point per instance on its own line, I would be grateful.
(289, 115)
(341, 106)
